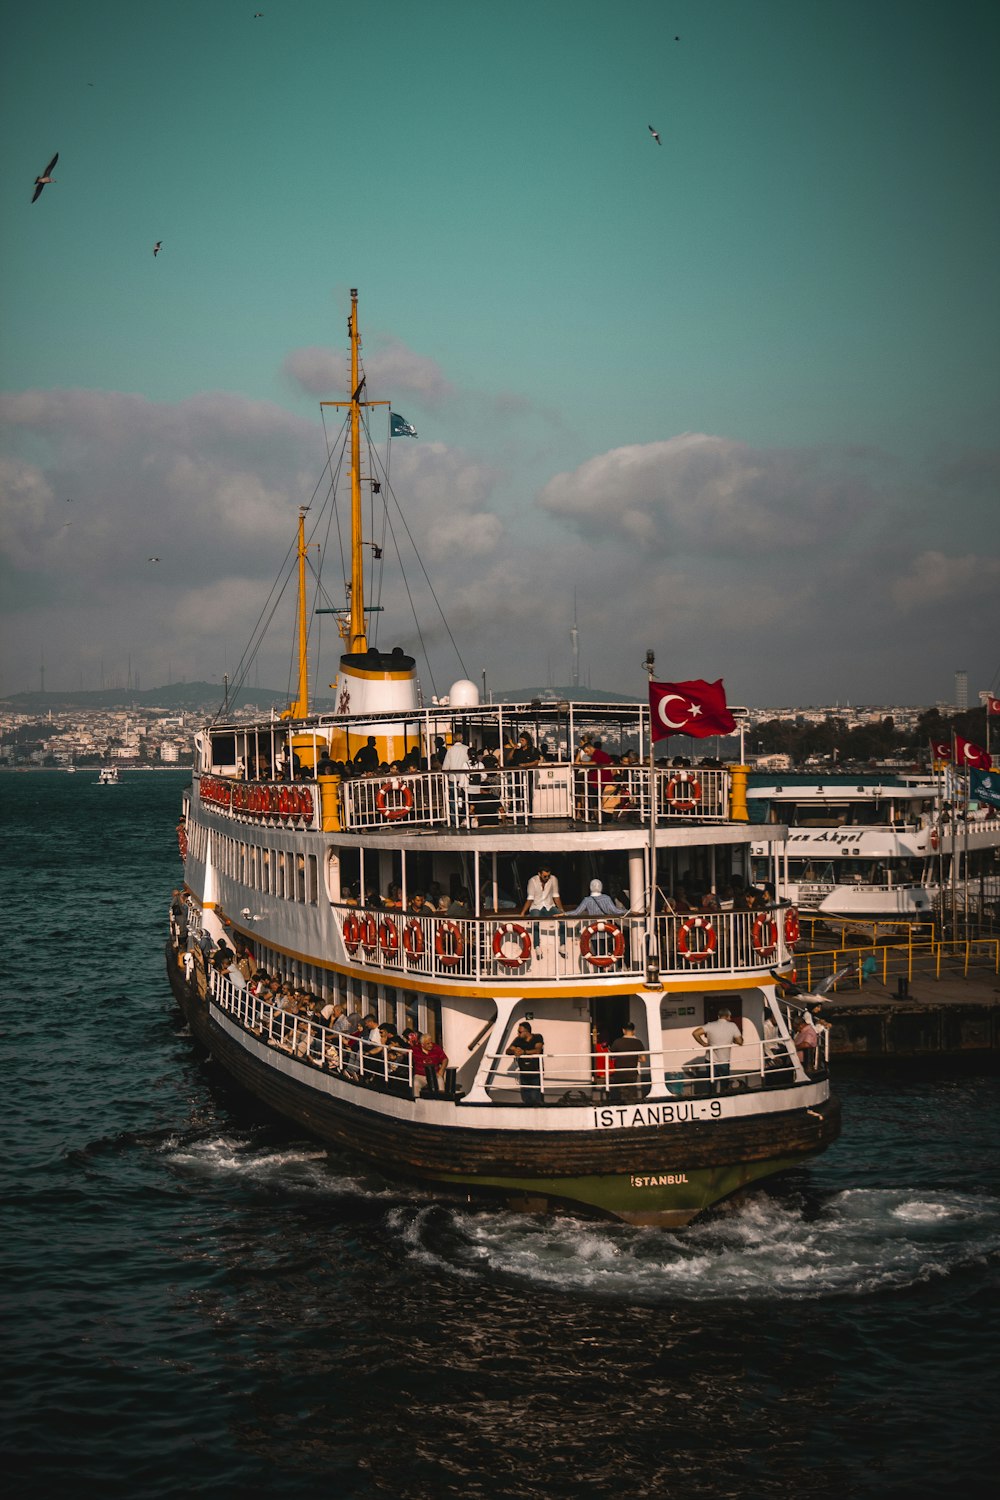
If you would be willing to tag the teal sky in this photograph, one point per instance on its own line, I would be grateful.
(804, 274)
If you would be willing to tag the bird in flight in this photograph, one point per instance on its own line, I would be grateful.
(45, 177)
(655, 134)
(152, 559)
(157, 248)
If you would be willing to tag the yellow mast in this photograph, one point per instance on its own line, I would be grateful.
(300, 707)
(357, 639)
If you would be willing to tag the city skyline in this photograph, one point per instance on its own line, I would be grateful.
(732, 397)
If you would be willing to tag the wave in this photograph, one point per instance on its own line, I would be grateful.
(860, 1242)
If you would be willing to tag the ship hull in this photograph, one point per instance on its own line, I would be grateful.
(649, 1175)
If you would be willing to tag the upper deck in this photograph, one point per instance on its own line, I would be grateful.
(530, 766)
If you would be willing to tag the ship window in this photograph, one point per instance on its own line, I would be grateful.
(312, 881)
(300, 877)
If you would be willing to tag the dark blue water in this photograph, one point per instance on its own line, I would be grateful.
(202, 1302)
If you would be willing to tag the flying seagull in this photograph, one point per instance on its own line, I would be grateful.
(152, 559)
(156, 248)
(790, 990)
(45, 177)
(655, 134)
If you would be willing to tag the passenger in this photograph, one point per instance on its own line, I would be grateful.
(324, 766)
(629, 1055)
(488, 808)
(456, 764)
(367, 758)
(523, 754)
(597, 904)
(429, 1063)
(543, 894)
(719, 1036)
(806, 1043)
(527, 1047)
(460, 905)
(418, 904)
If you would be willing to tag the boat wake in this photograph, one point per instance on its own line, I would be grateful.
(858, 1242)
(284, 1168)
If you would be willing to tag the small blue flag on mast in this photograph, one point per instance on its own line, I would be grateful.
(399, 426)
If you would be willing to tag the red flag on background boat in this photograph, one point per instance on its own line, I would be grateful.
(992, 705)
(968, 754)
(697, 708)
(941, 749)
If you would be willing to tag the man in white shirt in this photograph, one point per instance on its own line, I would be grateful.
(719, 1035)
(544, 901)
(456, 760)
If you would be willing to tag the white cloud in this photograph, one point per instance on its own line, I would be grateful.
(934, 578)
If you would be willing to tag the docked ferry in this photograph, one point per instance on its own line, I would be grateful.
(381, 872)
(897, 851)
(108, 776)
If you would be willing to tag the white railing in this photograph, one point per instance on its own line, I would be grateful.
(689, 1072)
(312, 1042)
(509, 946)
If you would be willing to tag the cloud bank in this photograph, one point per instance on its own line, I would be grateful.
(796, 574)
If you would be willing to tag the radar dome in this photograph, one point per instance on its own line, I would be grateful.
(464, 694)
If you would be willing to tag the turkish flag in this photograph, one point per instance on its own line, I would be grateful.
(968, 754)
(696, 708)
(941, 749)
(992, 705)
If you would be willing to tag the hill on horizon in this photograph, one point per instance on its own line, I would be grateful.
(189, 696)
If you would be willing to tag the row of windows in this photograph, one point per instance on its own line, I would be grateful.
(274, 872)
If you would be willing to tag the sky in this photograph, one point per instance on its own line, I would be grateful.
(732, 397)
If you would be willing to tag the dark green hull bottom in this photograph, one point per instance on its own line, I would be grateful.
(665, 1200)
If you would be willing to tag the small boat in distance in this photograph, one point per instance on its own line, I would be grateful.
(108, 776)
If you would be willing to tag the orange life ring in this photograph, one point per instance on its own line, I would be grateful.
(792, 933)
(182, 841)
(684, 792)
(284, 802)
(295, 802)
(765, 923)
(352, 932)
(935, 838)
(696, 955)
(388, 937)
(369, 933)
(456, 952)
(521, 934)
(306, 802)
(413, 939)
(395, 789)
(612, 933)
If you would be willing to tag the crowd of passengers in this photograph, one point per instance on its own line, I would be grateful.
(328, 1033)
(605, 781)
(686, 897)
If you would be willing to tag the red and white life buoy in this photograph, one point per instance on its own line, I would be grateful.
(352, 932)
(935, 838)
(512, 932)
(684, 792)
(306, 803)
(792, 933)
(613, 944)
(765, 934)
(388, 937)
(284, 802)
(413, 939)
(449, 944)
(401, 802)
(708, 932)
(369, 933)
(182, 840)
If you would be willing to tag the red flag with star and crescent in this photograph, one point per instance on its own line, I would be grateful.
(941, 749)
(696, 708)
(992, 706)
(968, 754)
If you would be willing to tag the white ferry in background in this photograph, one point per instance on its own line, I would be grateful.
(890, 852)
(108, 776)
(312, 868)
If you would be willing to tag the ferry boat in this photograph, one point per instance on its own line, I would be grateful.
(108, 776)
(398, 885)
(888, 852)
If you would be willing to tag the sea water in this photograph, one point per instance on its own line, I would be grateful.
(202, 1302)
